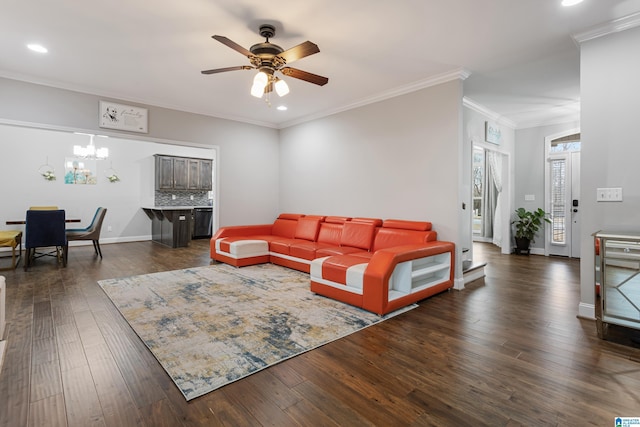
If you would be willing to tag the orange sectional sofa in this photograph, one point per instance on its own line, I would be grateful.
(378, 265)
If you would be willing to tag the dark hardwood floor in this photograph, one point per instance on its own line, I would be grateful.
(507, 351)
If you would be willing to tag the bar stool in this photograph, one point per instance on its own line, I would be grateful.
(11, 238)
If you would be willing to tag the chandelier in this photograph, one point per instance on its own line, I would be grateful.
(90, 151)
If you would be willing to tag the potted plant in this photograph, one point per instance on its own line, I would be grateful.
(527, 226)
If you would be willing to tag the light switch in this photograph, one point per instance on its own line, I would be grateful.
(609, 194)
(529, 197)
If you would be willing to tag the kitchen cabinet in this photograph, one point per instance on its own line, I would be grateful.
(170, 226)
(183, 173)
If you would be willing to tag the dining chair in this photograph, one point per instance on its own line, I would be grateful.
(45, 229)
(12, 239)
(92, 232)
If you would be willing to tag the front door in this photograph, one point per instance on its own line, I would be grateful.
(563, 204)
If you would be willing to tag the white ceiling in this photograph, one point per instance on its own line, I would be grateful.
(522, 59)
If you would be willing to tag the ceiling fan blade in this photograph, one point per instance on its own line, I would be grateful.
(222, 70)
(297, 52)
(233, 45)
(304, 75)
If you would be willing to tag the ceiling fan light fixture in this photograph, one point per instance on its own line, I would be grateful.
(282, 88)
(257, 90)
(261, 78)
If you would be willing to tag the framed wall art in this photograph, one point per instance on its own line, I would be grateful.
(123, 117)
(492, 133)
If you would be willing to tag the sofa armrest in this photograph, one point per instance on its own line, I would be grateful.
(242, 230)
(383, 263)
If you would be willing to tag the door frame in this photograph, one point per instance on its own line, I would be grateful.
(547, 184)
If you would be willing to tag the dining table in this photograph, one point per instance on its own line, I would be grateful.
(23, 221)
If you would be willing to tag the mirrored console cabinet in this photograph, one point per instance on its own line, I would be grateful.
(617, 288)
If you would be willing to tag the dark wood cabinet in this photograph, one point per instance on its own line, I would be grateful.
(180, 173)
(183, 173)
(205, 174)
(171, 227)
(164, 173)
(193, 175)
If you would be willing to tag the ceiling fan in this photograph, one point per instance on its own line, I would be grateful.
(268, 58)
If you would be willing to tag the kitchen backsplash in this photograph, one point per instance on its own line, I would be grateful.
(182, 198)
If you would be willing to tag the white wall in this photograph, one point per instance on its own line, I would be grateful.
(610, 67)
(397, 158)
(529, 169)
(248, 154)
(27, 149)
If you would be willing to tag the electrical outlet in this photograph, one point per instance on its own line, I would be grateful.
(173, 197)
(191, 197)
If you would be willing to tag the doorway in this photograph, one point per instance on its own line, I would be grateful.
(490, 184)
(562, 194)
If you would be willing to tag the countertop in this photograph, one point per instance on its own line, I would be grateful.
(174, 208)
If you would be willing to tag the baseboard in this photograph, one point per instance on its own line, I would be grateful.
(474, 273)
(109, 240)
(458, 284)
(587, 311)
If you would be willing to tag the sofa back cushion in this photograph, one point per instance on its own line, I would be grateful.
(330, 233)
(308, 228)
(357, 235)
(285, 225)
(399, 232)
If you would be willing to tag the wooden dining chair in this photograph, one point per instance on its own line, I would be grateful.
(45, 229)
(92, 232)
(12, 239)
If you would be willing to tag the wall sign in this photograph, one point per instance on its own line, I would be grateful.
(492, 133)
(123, 117)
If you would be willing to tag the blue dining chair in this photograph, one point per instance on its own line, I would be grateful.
(45, 229)
(92, 232)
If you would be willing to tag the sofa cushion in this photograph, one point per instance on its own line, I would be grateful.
(357, 235)
(344, 269)
(407, 225)
(307, 250)
(307, 228)
(330, 233)
(336, 250)
(377, 222)
(284, 227)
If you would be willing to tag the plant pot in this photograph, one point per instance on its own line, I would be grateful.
(522, 245)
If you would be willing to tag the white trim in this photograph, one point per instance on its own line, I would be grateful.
(118, 96)
(458, 284)
(587, 311)
(615, 26)
(290, 258)
(479, 108)
(337, 285)
(459, 74)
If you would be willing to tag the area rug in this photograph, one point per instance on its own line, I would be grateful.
(209, 326)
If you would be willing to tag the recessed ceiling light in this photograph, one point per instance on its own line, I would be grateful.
(282, 108)
(570, 2)
(37, 48)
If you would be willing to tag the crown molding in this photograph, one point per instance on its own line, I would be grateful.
(147, 103)
(479, 108)
(458, 74)
(614, 26)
